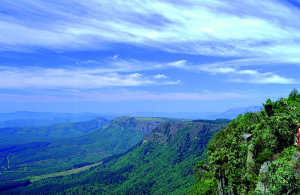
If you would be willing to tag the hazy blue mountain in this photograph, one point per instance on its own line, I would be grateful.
(232, 113)
(183, 115)
(35, 122)
(46, 115)
(11, 135)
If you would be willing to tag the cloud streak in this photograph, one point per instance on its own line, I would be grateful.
(49, 78)
(215, 28)
(234, 74)
(124, 95)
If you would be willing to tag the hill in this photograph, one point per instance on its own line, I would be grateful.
(38, 158)
(11, 135)
(24, 115)
(162, 163)
(255, 153)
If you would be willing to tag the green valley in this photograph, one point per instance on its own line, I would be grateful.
(12, 135)
(162, 163)
(46, 157)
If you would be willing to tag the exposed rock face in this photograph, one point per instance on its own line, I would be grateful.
(247, 137)
(262, 174)
(250, 156)
(139, 124)
(295, 157)
(222, 183)
(169, 130)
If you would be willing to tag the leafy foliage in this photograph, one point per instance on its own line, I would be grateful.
(273, 131)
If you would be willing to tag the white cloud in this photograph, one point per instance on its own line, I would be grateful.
(178, 64)
(47, 78)
(125, 95)
(218, 28)
(234, 74)
(160, 76)
(264, 78)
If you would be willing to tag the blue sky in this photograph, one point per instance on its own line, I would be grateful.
(129, 56)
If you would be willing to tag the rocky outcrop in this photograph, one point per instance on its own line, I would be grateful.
(261, 184)
(247, 137)
(295, 157)
(168, 130)
(222, 183)
(139, 124)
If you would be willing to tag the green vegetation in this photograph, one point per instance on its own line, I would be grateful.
(39, 158)
(14, 184)
(63, 173)
(273, 132)
(217, 121)
(160, 164)
(12, 135)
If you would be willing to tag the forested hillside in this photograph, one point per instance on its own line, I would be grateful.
(267, 163)
(36, 158)
(162, 163)
(12, 135)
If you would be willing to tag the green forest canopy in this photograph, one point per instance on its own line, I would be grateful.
(273, 130)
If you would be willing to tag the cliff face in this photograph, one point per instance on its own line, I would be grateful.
(144, 125)
(168, 131)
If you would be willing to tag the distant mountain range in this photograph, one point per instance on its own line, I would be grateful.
(21, 115)
(229, 114)
(76, 117)
(232, 113)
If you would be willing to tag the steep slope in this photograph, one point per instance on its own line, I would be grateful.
(161, 163)
(46, 157)
(255, 153)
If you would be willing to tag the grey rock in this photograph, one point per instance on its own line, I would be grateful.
(263, 173)
(247, 137)
(295, 157)
(249, 156)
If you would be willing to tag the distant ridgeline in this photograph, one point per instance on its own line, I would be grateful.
(217, 121)
(160, 163)
(266, 164)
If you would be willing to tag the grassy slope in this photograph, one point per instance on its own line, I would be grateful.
(63, 173)
(161, 164)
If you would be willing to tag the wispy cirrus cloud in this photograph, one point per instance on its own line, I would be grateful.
(216, 28)
(124, 95)
(234, 73)
(49, 78)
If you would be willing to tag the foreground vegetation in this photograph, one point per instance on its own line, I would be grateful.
(273, 130)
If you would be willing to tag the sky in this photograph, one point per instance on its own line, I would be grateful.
(140, 56)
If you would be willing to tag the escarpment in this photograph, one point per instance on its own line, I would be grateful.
(144, 125)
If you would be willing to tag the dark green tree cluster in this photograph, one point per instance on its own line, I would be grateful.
(273, 130)
(13, 184)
